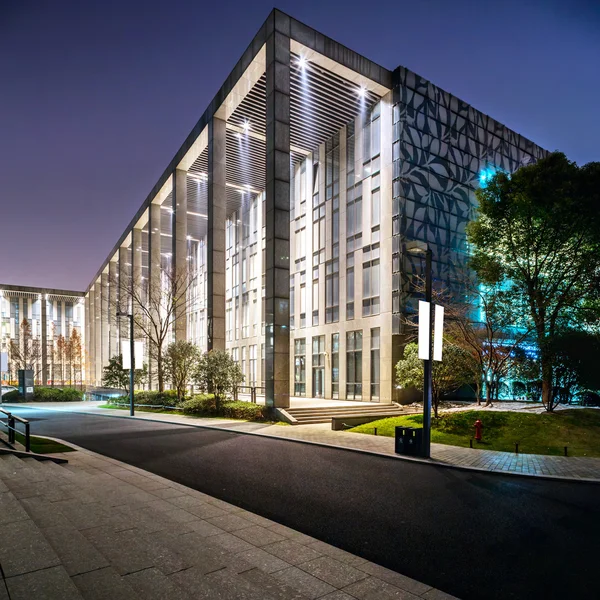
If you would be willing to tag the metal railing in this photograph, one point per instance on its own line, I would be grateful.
(12, 430)
(248, 389)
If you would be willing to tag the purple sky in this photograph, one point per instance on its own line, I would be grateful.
(97, 96)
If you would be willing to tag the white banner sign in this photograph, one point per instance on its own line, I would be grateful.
(438, 335)
(3, 361)
(138, 354)
(424, 320)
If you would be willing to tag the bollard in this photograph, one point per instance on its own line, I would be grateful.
(516, 447)
(27, 438)
(566, 450)
(11, 429)
(374, 430)
(471, 443)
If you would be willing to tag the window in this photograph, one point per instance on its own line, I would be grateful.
(253, 365)
(315, 297)
(318, 366)
(354, 365)
(243, 361)
(292, 301)
(335, 365)
(300, 367)
(332, 291)
(375, 366)
(350, 286)
(370, 280)
(303, 305)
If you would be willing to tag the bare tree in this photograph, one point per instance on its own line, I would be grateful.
(26, 353)
(481, 321)
(74, 356)
(60, 352)
(157, 307)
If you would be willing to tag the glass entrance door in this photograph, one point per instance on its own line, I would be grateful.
(318, 366)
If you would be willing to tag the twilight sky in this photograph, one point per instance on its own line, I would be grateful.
(96, 96)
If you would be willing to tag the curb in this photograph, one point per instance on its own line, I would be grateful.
(424, 461)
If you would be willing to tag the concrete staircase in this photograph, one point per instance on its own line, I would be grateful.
(324, 414)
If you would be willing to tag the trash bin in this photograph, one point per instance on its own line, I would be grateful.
(409, 441)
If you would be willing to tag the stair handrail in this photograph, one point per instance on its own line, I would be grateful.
(11, 429)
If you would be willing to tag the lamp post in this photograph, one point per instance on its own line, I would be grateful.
(421, 249)
(131, 360)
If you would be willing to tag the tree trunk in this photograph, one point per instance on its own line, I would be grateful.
(159, 373)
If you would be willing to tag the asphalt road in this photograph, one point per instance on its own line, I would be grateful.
(476, 536)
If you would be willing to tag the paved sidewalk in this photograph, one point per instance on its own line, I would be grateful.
(578, 468)
(100, 529)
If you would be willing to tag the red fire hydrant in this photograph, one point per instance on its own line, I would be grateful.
(478, 427)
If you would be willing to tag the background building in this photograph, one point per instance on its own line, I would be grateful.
(48, 342)
(288, 207)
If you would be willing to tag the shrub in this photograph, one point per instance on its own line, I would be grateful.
(47, 394)
(205, 405)
(155, 398)
(201, 405)
(12, 397)
(242, 410)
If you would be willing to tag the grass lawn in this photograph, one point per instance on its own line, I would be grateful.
(545, 433)
(41, 445)
(165, 411)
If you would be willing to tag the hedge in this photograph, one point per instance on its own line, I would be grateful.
(204, 405)
(47, 394)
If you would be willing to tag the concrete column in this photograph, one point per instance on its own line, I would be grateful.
(98, 331)
(91, 345)
(179, 241)
(44, 331)
(153, 270)
(277, 293)
(136, 258)
(112, 308)
(215, 258)
(123, 295)
(86, 339)
(104, 318)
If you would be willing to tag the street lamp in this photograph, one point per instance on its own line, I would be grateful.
(418, 248)
(131, 360)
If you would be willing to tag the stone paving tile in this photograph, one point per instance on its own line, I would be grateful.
(229, 522)
(337, 595)
(272, 587)
(264, 561)
(376, 589)
(306, 584)
(291, 534)
(124, 549)
(151, 584)
(105, 584)
(230, 542)
(396, 579)
(337, 553)
(204, 528)
(258, 536)
(292, 552)
(11, 509)
(24, 549)
(76, 553)
(44, 513)
(332, 571)
(48, 584)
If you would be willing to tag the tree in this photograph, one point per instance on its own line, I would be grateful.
(157, 305)
(455, 370)
(26, 353)
(181, 361)
(60, 352)
(575, 355)
(218, 373)
(116, 376)
(537, 236)
(75, 355)
(480, 320)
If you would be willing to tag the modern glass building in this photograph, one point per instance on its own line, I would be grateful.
(289, 205)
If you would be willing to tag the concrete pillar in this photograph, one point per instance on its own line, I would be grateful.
(91, 345)
(136, 261)
(104, 318)
(112, 308)
(277, 293)
(179, 248)
(153, 271)
(215, 258)
(86, 340)
(123, 294)
(44, 331)
(98, 331)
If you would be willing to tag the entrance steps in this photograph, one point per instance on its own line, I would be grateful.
(323, 414)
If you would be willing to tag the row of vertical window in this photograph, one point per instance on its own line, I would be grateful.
(354, 366)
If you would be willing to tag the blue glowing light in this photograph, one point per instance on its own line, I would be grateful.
(485, 175)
